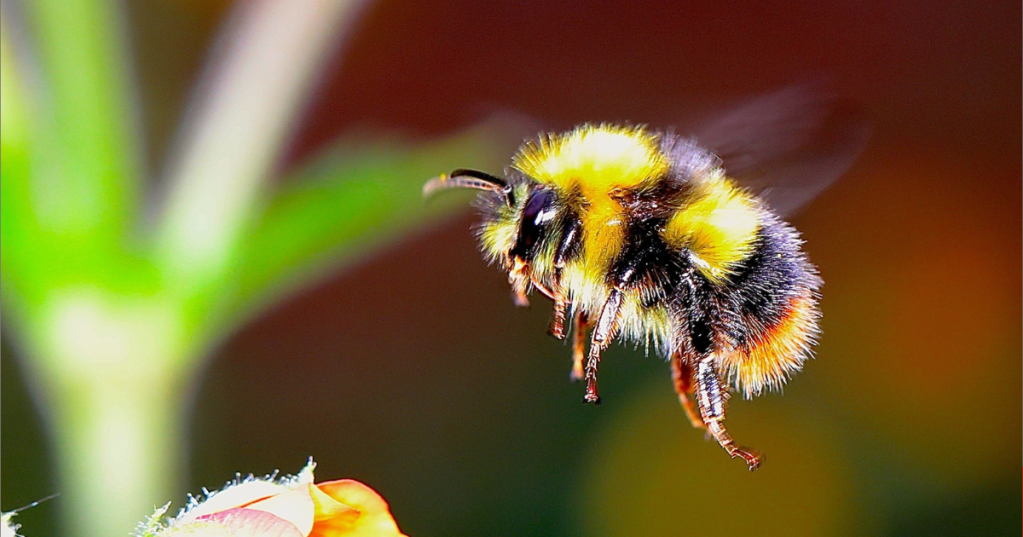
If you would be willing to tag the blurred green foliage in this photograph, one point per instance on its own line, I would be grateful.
(112, 321)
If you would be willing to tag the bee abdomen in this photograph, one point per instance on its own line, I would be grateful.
(773, 313)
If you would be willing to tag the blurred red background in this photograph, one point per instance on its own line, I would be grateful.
(413, 372)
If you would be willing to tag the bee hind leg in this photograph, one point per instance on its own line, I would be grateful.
(682, 375)
(712, 397)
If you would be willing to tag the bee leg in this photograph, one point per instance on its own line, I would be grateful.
(557, 326)
(567, 246)
(712, 398)
(682, 374)
(603, 334)
(519, 278)
(582, 327)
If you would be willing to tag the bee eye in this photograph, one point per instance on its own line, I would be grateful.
(537, 214)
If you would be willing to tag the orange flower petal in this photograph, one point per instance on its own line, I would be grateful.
(239, 522)
(374, 516)
(295, 506)
(328, 508)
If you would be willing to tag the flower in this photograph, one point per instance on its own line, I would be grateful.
(287, 507)
(6, 528)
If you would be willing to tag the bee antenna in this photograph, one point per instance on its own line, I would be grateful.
(483, 176)
(470, 179)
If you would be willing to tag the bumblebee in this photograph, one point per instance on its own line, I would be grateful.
(645, 236)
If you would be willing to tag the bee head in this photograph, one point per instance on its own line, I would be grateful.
(519, 217)
(534, 223)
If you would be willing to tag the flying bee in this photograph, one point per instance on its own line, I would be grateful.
(674, 242)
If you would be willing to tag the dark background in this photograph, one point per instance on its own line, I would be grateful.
(412, 371)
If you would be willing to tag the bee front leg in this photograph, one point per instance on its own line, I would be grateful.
(519, 277)
(605, 331)
(712, 397)
(566, 247)
(581, 330)
(682, 374)
(557, 326)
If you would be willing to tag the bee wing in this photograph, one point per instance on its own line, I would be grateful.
(787, 146)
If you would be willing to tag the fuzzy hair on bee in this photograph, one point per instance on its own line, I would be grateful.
(644, 236)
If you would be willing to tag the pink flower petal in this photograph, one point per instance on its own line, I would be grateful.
(241, 522)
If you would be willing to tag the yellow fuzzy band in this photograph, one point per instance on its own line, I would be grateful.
(718, 226)
(595, 159)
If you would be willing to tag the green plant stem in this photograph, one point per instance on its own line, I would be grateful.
(114, 331)
(106, 364)
(119, 449)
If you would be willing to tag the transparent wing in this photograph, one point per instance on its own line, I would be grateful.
(787, 146)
